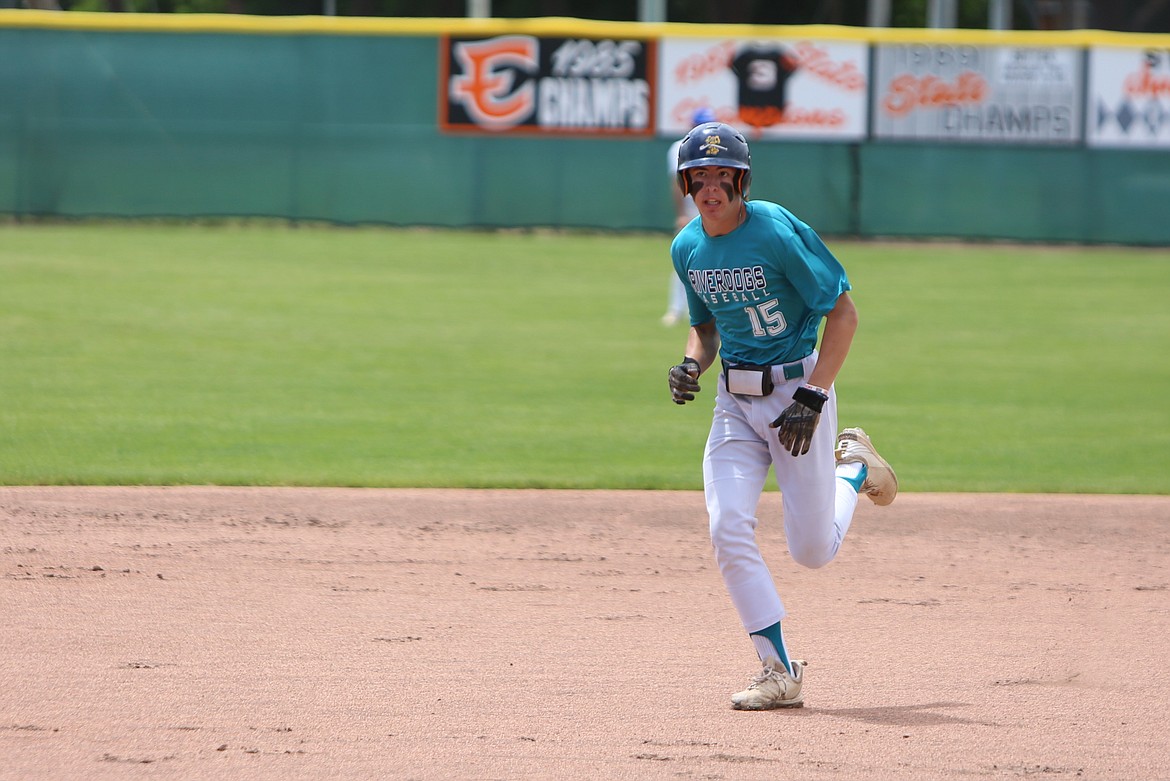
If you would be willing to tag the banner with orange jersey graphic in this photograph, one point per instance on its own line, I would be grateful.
(774, 88)
(558, 86)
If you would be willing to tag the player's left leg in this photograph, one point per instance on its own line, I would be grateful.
(818, 502)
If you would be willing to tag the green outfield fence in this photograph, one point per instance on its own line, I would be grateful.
(335, 119)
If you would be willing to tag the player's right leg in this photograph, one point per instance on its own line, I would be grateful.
(735, 467)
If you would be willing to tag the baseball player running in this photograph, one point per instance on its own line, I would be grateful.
(759, 282)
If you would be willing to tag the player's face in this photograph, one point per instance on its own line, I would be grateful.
(713, 188)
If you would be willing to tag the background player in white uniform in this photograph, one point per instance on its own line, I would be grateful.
(684, 212)
(759, 283)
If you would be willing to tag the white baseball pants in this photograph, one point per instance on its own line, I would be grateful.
(818, 507)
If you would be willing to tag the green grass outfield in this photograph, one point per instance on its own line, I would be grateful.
(268, 355)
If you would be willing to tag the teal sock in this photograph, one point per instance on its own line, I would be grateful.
(769, 642)
(854, 473)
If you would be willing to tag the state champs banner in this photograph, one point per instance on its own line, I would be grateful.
(776, 88)
(1129, 97)
(960, 92)
(524, 83)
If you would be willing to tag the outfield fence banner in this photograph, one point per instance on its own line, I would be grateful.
(961, 92)
(1129, 97)
(1022, 135)
(524, 83)
(776, 88)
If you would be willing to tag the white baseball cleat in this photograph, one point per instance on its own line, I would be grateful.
(881, 484)
(773, 688)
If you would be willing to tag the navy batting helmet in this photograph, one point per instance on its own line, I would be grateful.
(714, 143)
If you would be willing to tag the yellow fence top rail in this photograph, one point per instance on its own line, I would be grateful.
(553, 27)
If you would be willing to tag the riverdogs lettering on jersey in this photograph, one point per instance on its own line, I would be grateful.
(729, 284)
(518, 83)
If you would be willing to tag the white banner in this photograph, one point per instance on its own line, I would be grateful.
(952, 92)
(1129, 97)
(767, 89)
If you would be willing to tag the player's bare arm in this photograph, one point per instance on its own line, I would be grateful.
(702, 348)
(703, 344)
(798, 422)
(840, 326)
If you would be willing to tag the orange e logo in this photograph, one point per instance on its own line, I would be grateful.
(487, 86)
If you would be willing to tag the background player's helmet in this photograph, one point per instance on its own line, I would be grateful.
(717, 144)
(702, 115)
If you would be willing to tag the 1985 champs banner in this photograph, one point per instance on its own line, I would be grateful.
(523, 83)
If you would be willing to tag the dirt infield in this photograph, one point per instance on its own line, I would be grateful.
(417, 634)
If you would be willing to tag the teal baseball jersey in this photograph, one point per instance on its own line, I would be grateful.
(768, 284)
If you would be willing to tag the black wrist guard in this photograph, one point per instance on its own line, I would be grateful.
(814, 400)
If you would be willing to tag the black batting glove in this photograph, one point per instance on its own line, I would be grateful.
(798, 422)
(684, 381)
